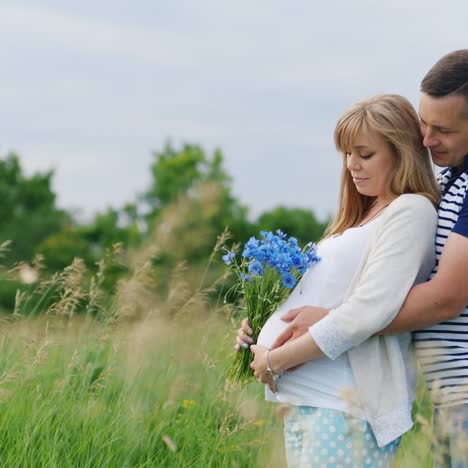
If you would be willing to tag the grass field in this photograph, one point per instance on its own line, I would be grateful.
(80, 393)
(138, 381)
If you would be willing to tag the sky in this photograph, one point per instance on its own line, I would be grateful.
(91, 89)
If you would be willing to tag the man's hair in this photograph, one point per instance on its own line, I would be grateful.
(449, 76)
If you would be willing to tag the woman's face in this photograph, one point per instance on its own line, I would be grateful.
(370, 163)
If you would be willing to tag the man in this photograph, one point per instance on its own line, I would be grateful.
(437, 310)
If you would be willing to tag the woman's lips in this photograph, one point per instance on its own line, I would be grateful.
(359, 180)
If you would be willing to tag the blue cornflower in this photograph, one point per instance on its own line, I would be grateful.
(228, 258)
(268, 236)
(251, 247)
(288, 280)
(256, 268)
(297, 259)
(245, 277)
(276, 251)
(283, 263)
(281, 234)
(312, 256)
(293, 241)
(265, 253)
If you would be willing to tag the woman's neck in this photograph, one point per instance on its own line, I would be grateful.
(378, 205)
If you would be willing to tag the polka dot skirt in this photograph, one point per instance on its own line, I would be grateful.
(326, 438)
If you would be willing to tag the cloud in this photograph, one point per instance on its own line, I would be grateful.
(229, 37)
(63, 162)
(91, 87)
(87, 34)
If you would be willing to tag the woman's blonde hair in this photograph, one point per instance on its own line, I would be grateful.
(395, 120)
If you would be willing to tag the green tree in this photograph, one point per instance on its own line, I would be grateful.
(28, 209)
(111, 227)
(183, 172)
(59, 249)
(189, 203)
(298, 222)
(174, 173)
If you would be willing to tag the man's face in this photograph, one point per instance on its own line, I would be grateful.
(444, 127)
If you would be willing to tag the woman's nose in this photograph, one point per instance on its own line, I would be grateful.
(352, 162)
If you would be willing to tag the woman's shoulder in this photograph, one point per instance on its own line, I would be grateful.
(413, 202)
(410, 211)
(409, 216)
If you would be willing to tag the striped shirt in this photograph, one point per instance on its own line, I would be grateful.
(442, 349)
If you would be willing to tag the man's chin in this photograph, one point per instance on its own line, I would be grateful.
(441, 165)
(440, 159)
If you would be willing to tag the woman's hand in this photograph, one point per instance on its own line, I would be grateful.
(259, 366)
(243, 340)
(291, 354)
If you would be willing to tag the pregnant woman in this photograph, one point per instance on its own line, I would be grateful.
(351, 398)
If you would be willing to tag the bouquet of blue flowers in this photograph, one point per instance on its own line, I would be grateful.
(266, 272)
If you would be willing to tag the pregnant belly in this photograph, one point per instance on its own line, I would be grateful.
(321, 382)
(273, 327)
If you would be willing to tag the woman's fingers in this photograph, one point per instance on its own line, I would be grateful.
(245, 326)
(242, 338)
(259, 369)
(240, 343)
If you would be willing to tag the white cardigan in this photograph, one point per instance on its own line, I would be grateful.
(400, 254)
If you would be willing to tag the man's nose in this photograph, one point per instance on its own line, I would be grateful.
(429, 139)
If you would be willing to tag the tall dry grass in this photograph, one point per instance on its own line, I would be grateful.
(138, 379)
(135, 379)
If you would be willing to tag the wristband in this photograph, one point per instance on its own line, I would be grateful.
(274, 376)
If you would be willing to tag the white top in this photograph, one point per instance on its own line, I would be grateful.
(400, 254)
(323, 383)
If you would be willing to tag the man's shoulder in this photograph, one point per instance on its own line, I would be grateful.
(451, 182)
(440, 176)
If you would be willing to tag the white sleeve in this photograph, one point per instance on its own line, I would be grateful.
(402, 252)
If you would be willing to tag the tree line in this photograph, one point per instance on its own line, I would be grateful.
(187, 204)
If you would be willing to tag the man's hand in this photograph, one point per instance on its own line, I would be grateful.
(300, 320)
